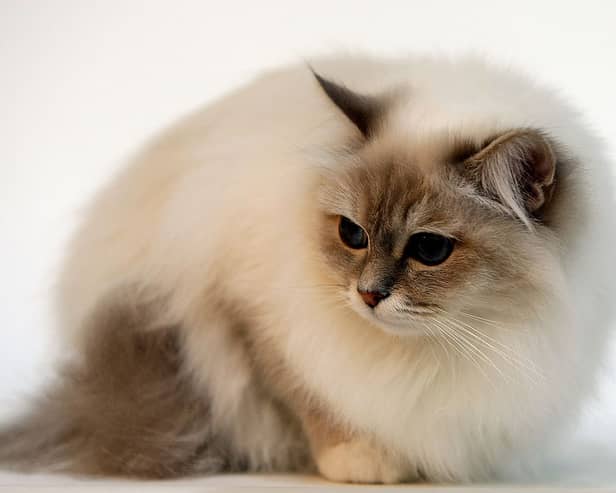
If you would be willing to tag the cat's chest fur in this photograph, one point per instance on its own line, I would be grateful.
(449, 416)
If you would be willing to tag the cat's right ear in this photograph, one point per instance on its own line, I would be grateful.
(362, 110)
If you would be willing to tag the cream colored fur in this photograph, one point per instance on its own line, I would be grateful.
(223, 205)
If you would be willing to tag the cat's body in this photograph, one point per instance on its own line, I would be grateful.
(217, 238)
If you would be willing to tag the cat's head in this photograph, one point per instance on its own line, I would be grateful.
(434, 226)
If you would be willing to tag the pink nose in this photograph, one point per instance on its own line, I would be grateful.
(372, 298)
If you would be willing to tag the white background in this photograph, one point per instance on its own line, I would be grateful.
(83, 83)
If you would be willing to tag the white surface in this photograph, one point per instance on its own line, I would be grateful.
(84, 83)
(242, 483)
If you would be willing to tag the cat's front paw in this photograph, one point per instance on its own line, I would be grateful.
(357, 461)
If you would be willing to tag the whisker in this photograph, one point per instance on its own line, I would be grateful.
(505, 351)
(432, 330)
(491, 323)
(432, 337)
(464, 345)
(478, 350)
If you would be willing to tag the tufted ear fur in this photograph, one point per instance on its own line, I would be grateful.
(517, 169)
(363, 111)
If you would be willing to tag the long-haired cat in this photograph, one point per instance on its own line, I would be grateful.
(384, 270)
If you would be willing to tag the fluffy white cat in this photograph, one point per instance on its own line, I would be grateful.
(389, 270)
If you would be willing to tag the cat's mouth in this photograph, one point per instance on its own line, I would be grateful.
(394, 319)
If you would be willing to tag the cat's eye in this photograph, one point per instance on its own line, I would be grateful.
(429, 248)
(351, 234)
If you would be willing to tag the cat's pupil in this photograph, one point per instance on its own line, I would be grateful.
(429, 248)
(351, 234)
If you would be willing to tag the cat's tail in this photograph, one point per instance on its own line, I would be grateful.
(39, 441)
(126, 409)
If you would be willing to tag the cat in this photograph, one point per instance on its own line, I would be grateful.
(380, 270)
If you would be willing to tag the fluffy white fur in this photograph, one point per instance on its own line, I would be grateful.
(227, 195)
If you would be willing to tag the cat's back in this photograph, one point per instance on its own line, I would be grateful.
(212, 174)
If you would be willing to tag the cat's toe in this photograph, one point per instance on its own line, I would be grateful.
(359, 462)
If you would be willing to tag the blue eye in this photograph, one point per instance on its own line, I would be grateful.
(429, 248)
(351, 234)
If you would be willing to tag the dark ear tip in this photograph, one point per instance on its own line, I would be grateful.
(363, 111)
(332, 90)
(320, 79)
(312, 69)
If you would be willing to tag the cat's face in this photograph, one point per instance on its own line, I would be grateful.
(420, 229)
(410, 240)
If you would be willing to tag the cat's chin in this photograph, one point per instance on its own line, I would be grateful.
(401, 331)
(396, 327)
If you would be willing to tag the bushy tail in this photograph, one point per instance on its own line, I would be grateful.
(126, 410)
(42, 440)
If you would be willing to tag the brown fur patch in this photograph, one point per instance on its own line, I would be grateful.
(126, 409)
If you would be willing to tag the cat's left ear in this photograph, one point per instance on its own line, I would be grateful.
(364, 111)
(518, 169)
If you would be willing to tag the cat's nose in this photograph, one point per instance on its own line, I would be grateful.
(372, 298)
